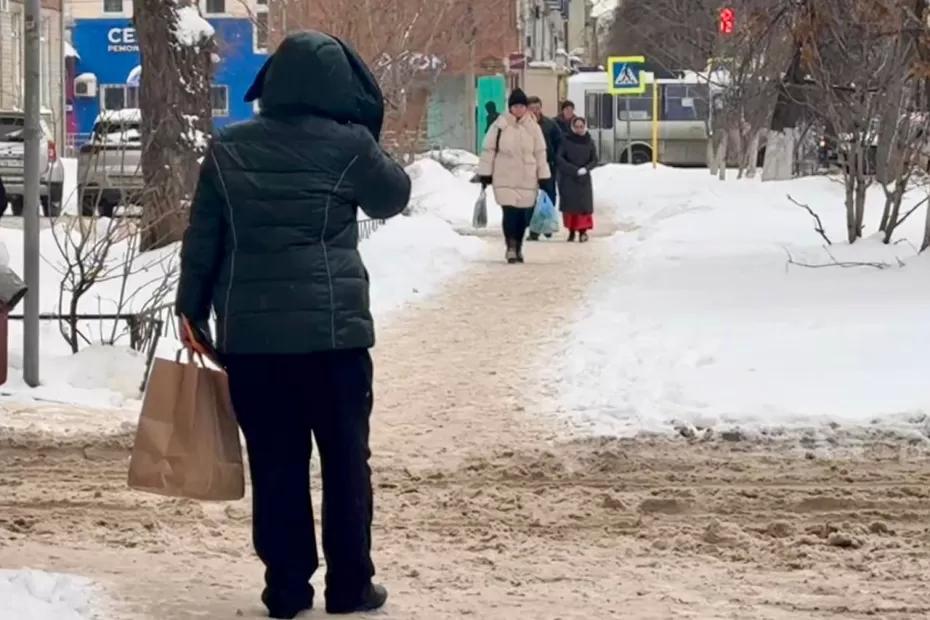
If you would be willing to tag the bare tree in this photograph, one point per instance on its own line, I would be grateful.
(859, 55)
(175, 100)
(101, 260)
(408, 44)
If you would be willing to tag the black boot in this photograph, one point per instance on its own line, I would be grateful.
(583, 238)
(511, 255)
(520, 251)
(571, 236)
(533, 237)
(287, 605)
(373, 598)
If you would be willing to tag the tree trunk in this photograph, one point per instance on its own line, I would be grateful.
(176, 115)
(850, 182)
(722, 157)
(926, 242)
(862, 186)
(780, 147)
(893, 210)
(752, 154)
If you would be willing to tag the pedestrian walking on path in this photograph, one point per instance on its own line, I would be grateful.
(273, 248)
(577, 158)
(566, 116)
(514, 161)
(553, 136)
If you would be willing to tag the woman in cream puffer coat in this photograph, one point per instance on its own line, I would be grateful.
(514, 162)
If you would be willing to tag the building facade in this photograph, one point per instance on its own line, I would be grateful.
(107, 64)
(52, 51)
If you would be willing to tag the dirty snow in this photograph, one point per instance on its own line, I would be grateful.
(700, 320)
(36, 595)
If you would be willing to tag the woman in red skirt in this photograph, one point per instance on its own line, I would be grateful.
(577, 157)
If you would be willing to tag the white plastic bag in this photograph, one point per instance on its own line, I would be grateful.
(479, 218)
(545, 218)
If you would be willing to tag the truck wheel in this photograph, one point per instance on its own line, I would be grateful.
(106, 209)
(51, 206)
(50, 209)
(88, 203)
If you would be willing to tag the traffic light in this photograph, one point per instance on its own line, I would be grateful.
(727, 20)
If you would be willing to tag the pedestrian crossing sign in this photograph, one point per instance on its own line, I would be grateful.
(625, 75)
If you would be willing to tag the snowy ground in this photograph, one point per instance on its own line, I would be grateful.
(36, 595)
(701, 320)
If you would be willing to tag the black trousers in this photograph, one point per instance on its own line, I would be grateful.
(281, 401)
(515, 222)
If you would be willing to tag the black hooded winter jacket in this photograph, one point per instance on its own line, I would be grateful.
(272, 245)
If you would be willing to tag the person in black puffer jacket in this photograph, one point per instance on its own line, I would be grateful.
(272, 247)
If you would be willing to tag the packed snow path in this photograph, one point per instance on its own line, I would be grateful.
(488, 508)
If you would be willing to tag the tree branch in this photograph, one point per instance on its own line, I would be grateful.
(819, 227)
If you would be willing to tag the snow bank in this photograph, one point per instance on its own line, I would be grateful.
(35, 595)
(408, 258)
(449, 196)
(412, 257)
(702, 320)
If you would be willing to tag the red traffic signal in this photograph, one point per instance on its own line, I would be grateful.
(727, 20)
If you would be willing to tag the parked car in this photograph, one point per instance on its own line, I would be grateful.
(110, 164)
(51, 184)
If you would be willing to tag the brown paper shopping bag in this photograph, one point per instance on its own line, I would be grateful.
(187, 443)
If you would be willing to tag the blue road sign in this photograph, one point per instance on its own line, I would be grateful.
(625, 75)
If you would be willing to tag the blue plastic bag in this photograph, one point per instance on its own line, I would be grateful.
(545, 218)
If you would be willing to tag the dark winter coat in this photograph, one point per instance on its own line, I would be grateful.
(576, 192)
(553, 136)
(564, 125)
(273, 242)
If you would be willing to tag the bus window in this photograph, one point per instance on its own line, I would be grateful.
(599, 111)
(684, 102)
(592, 110)
(640, 108)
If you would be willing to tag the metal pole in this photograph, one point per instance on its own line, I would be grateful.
(471, 97)
(655, 122)
(629, 133)
(33, 135)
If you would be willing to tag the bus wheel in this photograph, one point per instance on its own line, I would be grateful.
(641, 155)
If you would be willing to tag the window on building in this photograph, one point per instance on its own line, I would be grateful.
(132, 96)
(261, 31)
(215, 7)
(261, 2)
(113, 97)
(219, 96)
(112, 6)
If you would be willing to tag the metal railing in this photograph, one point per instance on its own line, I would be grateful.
(366, 228)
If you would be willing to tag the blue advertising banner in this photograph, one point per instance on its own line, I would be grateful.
(109, 50)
